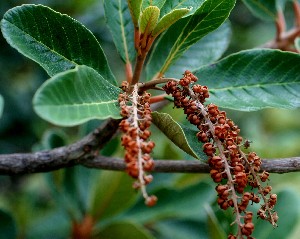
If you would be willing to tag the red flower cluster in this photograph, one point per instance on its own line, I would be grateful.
(230, 167)
(136, 113)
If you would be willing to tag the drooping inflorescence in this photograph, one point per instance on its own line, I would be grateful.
(231, 168)
(136, 113)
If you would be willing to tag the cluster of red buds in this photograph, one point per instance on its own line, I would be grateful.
(136, 113)
(231, 168)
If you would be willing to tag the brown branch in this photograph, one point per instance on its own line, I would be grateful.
(49, 160)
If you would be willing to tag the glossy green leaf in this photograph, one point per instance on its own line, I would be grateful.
(124, 230)
(1, 105)
(119, 21)
(253, 80)
(55, 41)
(149, 19)
(288, 210)
(215, 229)
(76, 96)
(8, 227)
(206, 19)
(182, 136)
(188, 203)
(265, 10)
(297, 44)
(169, 19)
(135, 10)
(157, 3)
(171, 5)
(112, 193)
(207, 50)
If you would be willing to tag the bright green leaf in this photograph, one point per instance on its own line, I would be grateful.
(297, 44)
(265, 10)
(207, 50)
(1, 105)
(207, 18)
(7, 226)
(214, 226)
(253, 80)
(182, 136)
(124, 230)
(149, 19)
(171, 5)
(55, 41)
(112, 192)
(169, 19)
(119, 22)
(135, 10)
(76, 96)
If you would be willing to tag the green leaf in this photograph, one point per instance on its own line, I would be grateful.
(181, 228)
(1, 105)
(265, 10)
(253, 80)
(171, 5)
(207, 50)
(157, 3)
(182, 136)
(118, 20)
(55, 41)
(135, 10)
(207, 18)
(124, 230)
(112, 193)
(169, 19)
(297, 44)
(149, 19)
(188, 203)
(214, 226)
(288, 210)
(76, 96)
(8, 227)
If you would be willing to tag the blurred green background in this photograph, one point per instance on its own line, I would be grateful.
(46, 205)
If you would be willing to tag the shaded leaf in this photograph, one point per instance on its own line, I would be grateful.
(253, 80)
(188, 203)
(124, 230)
(76, 96)
(188, 31)
(55, 41)
(112, 192)
(8, 227)
(169, 19)
(119, 21)
(288, 209)
(182, 136)
(207, 50)
(265, 10)
(179, 229)
(135, 9)
(171, 5)
(149, 19)
(157, 3)
(214, 227)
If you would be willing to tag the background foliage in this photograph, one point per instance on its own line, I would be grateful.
(45, 205)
